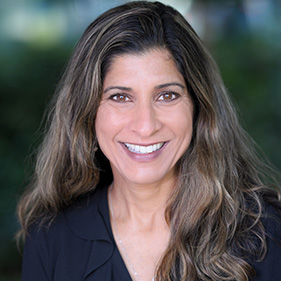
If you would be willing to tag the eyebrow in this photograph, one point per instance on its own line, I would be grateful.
(118, 88)
(170, 84)
(157, 87)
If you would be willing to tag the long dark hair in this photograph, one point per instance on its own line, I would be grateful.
(215, 213)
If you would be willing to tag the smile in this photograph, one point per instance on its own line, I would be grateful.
(141, 149)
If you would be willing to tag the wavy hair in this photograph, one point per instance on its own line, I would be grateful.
(216, 210)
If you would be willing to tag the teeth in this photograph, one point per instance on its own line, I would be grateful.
(140, 149)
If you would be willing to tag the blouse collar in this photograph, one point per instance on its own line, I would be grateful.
(89, 217)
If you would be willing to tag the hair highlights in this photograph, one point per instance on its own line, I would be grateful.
(215, 212)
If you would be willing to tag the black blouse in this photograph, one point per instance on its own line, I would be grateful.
(79, 245)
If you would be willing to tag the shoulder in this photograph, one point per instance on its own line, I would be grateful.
(269, 268)
(50, 248)
(52, 251)
(72, 220)
(271, 219)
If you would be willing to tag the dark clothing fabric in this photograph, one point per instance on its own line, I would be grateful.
(79, 245)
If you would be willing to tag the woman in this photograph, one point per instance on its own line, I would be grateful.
(145, 172)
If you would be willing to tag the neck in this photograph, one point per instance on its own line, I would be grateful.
(140, 204)
(138, 241)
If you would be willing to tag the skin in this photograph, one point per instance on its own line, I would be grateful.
(145, 106)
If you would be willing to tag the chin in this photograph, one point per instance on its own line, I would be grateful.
(149, 178)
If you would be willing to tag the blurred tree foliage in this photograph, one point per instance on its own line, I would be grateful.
(27, 80)
(250, 66)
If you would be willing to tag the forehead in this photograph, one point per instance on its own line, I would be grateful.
(155, 64)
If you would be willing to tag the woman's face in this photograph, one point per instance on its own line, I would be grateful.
(144, 121)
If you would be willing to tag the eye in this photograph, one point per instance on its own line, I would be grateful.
(120, 98)
(168, 96)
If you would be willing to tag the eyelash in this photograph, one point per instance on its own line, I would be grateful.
(173, 94)
(116, 98)
(160, 97)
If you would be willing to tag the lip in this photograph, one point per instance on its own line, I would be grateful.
(144, 156)
(144, 149)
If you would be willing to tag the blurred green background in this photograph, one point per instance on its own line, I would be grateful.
(36, 40)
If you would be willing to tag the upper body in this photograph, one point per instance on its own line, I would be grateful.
(141, 103)
(80, 245)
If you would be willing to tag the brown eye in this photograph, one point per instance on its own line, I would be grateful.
(168, 96)
(119, 98)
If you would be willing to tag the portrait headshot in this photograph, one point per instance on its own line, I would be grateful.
(145, 171)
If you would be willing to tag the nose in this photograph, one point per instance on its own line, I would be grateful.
(145, 120)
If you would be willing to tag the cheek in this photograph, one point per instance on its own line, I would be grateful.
(101, 123)
(107, 123)
(102, 133)
(182, 121)
(184, 130)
